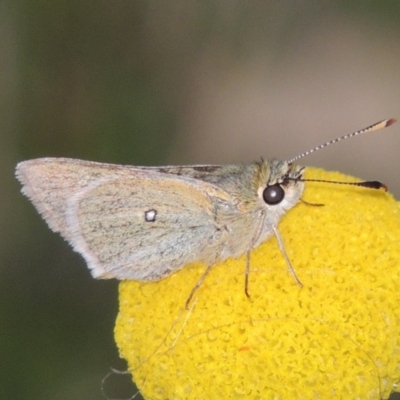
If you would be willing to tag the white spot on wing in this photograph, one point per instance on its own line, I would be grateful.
(150, 215)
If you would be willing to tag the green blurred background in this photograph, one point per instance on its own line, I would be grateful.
(158, 82)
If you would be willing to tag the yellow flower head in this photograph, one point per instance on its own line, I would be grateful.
(338, 337)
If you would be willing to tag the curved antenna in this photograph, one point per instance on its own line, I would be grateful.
(379, 125)
(366, 184)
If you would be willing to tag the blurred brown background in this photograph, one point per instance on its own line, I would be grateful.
(150, 82)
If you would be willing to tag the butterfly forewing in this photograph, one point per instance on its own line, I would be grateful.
(128, 223)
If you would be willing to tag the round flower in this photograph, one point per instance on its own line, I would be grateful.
(336, 337)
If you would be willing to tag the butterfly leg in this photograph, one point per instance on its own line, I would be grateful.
(198, 284)
(253, 242)
(282, 248)
(246, 276)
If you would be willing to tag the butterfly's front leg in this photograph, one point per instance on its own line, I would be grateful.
(254, 240)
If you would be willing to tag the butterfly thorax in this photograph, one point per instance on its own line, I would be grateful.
(247, 217)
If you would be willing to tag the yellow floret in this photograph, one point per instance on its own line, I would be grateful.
(338, 337)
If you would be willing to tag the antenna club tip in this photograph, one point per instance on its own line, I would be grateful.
(373, 185)
(390, 121)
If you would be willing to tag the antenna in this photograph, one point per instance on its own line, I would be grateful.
(379, 125)
(366, 184)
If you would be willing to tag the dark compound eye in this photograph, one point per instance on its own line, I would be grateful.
(273, 194)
